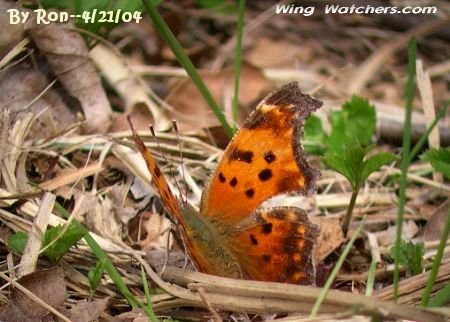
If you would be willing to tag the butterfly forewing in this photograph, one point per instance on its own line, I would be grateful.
(158, 180)
(264, 159)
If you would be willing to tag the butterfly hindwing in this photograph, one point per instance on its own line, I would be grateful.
(277, 246)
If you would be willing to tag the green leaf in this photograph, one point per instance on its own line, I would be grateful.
(339, 136)
(62, 245)
(314, 141)
(411, 256)
(349, 163)
(352, 163)
(375, 162)
(17, 242)
(439, 159)
(355, 124)
(442, 298)
(95, 275)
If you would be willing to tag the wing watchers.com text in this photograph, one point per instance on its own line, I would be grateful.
(354, 9)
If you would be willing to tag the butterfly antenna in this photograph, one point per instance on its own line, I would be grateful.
(183, 175)
(152, 130)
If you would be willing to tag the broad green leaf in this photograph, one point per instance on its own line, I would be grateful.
(17, 242)
(375, 162)
(339, 137)
(362, 117)
(439, 159)
(411, 256)
(62, 245)
(95, 275)
(314, 140)
(349, 163)
(355, 124)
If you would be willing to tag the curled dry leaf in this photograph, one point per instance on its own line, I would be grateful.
(67, 54)
(48, 285)
(11, 33)
(19, 86)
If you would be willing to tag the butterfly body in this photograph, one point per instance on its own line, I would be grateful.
(230, 236)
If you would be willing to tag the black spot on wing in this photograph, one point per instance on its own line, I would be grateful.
(269, 157)
(250, 193)
(265, 175)
(233, 182)
(253, 239)
(266, 228)
(222, 177)
(241, 155)
(266, 258)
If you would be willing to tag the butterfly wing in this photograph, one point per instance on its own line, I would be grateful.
(275, 245)
(264, 159)
(158, 180)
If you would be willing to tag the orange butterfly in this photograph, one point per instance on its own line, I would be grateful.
(230, 236)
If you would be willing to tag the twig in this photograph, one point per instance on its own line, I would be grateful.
(34, 242)
(202, 294)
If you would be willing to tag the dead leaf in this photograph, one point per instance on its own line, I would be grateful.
(435, 225)
(387, 237)
(136, 315)
(101, 220)
(123, 209)
(271, 53)
(191, 110)
(19, 86)
(84, 311)
(139, 114)
(153, 230)
(11, 33)
(330, 238)
(67, 54)
(49, 285)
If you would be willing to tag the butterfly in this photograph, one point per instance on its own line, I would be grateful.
(231, 236)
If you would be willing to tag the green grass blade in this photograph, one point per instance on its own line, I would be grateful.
(237, 60)
(442, 298)
(424, 137)
(152, 317)
(109, 266)
(187, 64)
(410, 91)
(335, 271)
(436, 263)
(371, 277)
